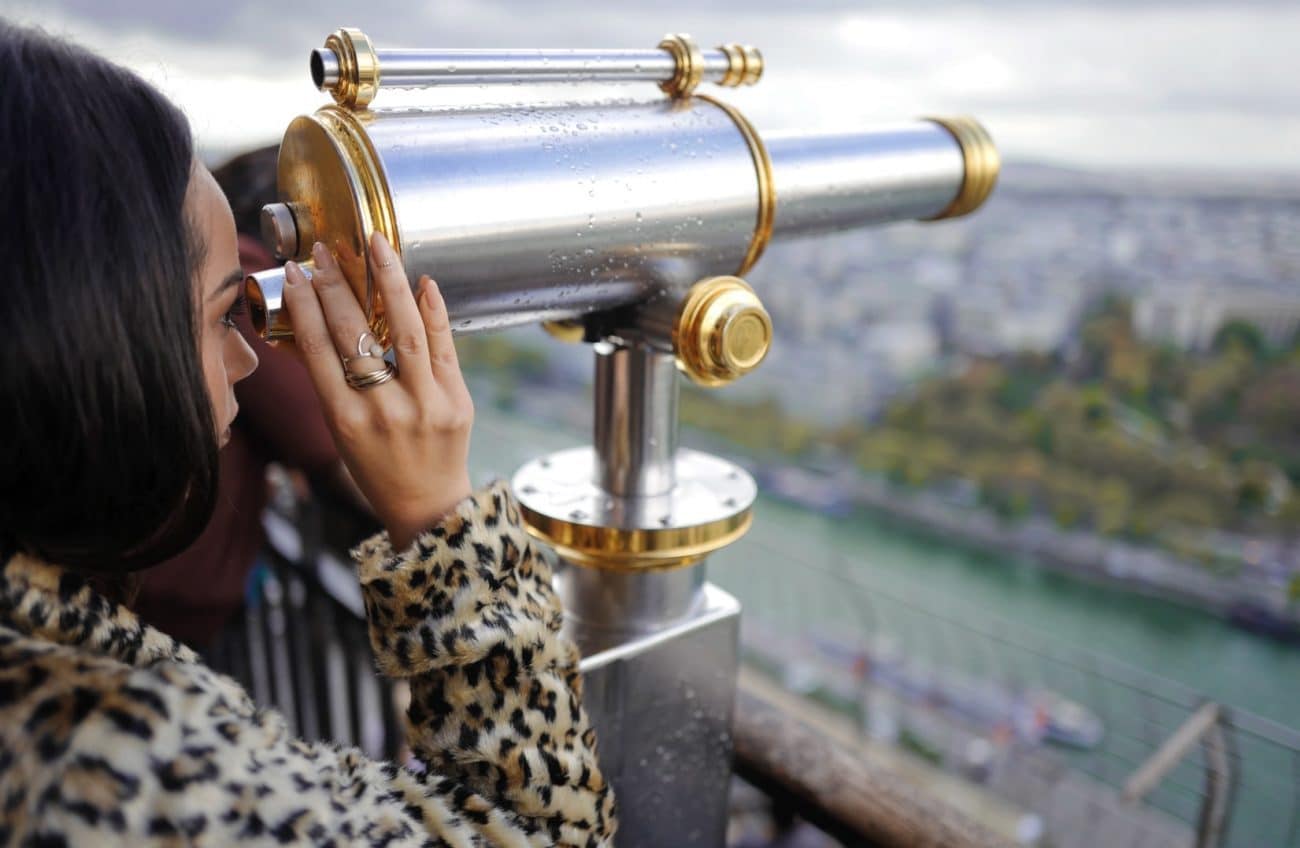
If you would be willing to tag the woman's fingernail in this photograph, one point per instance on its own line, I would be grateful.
(383, 251)
(321, 255)
(292, 273)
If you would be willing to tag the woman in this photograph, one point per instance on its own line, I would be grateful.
(119, 353)
(193, 595)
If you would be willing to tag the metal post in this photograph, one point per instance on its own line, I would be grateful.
(632, 519)
(1219, 786)
(1206, 727)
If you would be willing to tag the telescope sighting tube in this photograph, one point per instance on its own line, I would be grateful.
(352, 70)
(530, 214)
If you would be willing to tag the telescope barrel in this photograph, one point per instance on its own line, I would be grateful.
(846, 180)
(534, 214)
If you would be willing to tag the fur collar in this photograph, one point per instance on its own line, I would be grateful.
(53, 604)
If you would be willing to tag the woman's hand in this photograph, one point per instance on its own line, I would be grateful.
(405, 441)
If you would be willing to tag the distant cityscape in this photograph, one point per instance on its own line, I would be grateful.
(870, 313)
(878, 332)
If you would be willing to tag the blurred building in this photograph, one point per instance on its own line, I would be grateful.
(1190, 316)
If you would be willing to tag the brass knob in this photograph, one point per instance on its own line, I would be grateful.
(722, 332)
(280, 230)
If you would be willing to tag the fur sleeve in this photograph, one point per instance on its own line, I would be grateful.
(468, 616)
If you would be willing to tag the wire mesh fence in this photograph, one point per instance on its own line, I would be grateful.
(1057, 730)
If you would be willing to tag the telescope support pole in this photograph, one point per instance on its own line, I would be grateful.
(635, 425)
(659, 643)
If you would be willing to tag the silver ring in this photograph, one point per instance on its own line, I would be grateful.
(350, 364)
(372, 378)
(372, 349)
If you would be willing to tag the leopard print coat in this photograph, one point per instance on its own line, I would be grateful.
(112, 733)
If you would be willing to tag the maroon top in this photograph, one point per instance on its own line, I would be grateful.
(192, 595)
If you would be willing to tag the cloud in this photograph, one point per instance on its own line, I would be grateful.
(1131, 84)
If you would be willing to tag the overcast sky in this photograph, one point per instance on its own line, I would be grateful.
(1138, 84)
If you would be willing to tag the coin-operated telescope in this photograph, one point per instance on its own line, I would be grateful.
(629, 226)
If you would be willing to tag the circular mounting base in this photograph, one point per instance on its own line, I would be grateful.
(709, 508)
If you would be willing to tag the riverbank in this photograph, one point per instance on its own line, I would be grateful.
(1244, 600)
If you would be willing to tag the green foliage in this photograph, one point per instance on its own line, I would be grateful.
(762, 426)
(1241, 335)
(1132, 439)
(500, 355)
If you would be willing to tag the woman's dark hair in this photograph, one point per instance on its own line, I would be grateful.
(108, 459)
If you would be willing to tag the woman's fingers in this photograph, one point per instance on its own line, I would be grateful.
(405, 329)
(312, 335)
(343, 314)
(437, 329)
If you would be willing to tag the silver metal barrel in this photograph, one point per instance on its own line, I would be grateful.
(844, 181)
(543, 213)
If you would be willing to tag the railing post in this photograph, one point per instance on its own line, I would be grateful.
(1206, 726)
(1220, 782)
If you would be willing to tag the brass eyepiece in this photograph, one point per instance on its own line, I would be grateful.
(265, 293)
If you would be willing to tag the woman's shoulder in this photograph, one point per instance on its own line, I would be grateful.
(91, 745)
(57, 699)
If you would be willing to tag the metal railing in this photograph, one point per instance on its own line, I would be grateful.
(301, 643)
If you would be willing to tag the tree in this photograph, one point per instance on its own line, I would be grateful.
(1242, 335)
